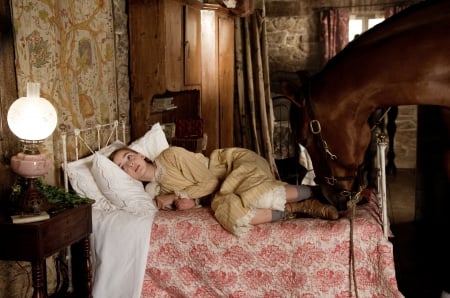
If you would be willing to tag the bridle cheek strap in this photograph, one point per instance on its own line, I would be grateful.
(316, 130)
(332, 180)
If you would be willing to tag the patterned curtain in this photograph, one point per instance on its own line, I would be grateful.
(334, 31)
(254, 111)
(69, 48)
(390, 11)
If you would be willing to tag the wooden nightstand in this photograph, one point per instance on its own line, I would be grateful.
(34, 242)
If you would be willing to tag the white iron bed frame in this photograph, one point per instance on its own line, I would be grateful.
(114, 136)
(110, 132)
(80, 141)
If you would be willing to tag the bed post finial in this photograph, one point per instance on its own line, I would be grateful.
(63, 128)
(381, 150)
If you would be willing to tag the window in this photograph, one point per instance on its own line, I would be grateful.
(358, 24)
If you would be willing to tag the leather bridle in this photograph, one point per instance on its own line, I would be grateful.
(327, 156)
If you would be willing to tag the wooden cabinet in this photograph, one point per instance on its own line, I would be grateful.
(179, 45)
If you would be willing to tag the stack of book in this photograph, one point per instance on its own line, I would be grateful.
(160, 104)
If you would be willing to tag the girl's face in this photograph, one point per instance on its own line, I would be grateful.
(132, 163)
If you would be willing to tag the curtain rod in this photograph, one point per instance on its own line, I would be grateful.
(385, 4)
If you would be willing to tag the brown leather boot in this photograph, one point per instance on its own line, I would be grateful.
(314, 208)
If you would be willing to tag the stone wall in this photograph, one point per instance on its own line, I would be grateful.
(292, 36)
(293, 42)
(405, 141)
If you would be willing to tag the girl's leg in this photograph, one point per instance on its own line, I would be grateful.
(263, 216)
(297, 201)
(296, 193)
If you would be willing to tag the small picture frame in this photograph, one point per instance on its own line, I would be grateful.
(169, 129)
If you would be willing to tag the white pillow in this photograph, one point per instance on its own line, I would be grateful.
(83, 183)
(152, 143)
(117, 186)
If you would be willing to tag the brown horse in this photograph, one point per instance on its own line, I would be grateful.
(403, 61)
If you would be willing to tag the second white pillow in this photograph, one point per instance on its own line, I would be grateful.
(152, 143)
(82, 181)
(121, 189)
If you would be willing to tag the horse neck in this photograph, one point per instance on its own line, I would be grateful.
(383, 67)
(341, 103)
(361, 85)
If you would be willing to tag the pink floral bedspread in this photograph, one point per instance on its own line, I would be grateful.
(191, 255)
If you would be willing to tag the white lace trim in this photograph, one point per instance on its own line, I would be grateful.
(275, 199)
(159, 170)
(243, 224)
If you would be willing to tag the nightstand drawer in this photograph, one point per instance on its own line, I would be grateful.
(36, 241)
(29, 241)
(65, 230)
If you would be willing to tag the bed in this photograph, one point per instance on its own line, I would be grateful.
(139, 251)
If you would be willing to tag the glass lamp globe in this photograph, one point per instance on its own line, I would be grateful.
(32, 118)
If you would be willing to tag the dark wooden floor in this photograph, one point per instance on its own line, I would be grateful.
(416, 247)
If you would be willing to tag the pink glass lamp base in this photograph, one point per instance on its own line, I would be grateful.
(31, 166)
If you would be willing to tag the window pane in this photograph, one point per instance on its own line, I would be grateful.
(373, 22)
(354, 28)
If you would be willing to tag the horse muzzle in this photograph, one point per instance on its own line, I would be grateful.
(336, 197)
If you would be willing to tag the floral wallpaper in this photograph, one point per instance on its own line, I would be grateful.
(69, 47)
(121, 39)
(16, 281)
(78, 52)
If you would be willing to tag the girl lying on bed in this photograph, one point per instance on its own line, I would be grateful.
(243, 188)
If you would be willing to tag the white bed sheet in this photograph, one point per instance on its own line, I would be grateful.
(119, 244)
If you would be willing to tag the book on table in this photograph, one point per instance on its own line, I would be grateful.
(26, 218)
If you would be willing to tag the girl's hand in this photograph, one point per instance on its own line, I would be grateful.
(165, 202)
(184, 204)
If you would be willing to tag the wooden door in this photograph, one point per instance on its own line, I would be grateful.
(173, 12)
(226, 80)
(217, 77)
(147, 60)
(210, 81)
(192, 46)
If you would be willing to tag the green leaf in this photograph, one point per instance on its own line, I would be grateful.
(55, 195)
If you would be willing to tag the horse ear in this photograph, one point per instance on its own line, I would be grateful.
(292, 91)
(301, 102)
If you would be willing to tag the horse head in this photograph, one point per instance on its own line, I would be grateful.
(336, 167)
(379, 69)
